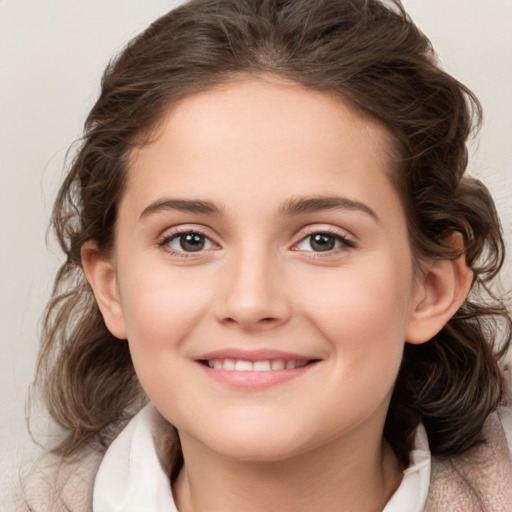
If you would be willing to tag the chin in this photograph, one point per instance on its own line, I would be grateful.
(257, 443)
(264, 452)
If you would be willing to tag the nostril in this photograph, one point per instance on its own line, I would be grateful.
(265, 320)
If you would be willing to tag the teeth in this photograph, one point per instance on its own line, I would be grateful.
(261, 366)
(256, 366)
(278, 364)
(228, 364)
(243, 366)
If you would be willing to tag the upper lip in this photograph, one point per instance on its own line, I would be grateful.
(254, 355)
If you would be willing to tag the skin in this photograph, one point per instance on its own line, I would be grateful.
(250, 150)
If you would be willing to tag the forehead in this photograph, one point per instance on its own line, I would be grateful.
(278, 103)
(268, 132)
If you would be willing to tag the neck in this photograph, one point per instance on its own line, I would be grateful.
(330, 479)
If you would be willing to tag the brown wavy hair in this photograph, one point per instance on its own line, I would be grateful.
(371, 55)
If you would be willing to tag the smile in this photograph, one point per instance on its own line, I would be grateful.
(254, 369)
(267, 365)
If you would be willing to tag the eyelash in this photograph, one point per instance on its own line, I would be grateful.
(345, 242)
(167, 239)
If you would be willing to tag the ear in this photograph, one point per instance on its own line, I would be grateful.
(101, 275)
(441, 291)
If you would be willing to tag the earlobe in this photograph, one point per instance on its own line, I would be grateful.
(101, 275)
(443, 289)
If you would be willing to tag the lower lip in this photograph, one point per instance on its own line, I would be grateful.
(253, 379)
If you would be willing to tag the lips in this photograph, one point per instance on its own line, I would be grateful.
(256, 368)
(267, 365)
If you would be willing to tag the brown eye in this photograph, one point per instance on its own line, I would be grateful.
(191, 242)
(323, 242)
(188, 242)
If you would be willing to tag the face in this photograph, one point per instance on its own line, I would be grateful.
(263, 271)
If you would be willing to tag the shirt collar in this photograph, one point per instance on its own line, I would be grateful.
(131, 478)
(411, 495)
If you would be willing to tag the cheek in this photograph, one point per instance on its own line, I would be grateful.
(369, 304)
(363, 314)
(365, 325)
(159, 320)
(160, 313)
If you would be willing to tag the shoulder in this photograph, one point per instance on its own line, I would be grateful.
(59, 485)
(481, 478)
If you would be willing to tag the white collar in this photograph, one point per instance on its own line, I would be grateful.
(411, 495)
(131, 479)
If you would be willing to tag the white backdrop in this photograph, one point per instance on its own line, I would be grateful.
(52, 53)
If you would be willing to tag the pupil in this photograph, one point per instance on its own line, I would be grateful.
(322, 242)
(192, 242)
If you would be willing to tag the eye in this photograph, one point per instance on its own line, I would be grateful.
(188, 242)
(322, 242)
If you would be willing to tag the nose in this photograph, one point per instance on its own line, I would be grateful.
(253, 295)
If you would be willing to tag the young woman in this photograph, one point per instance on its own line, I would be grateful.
(276, 295)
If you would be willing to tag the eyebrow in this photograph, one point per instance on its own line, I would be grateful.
(319, 203)
(293, 206)
(183, 205)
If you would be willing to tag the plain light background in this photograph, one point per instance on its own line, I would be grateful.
(52, 54)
